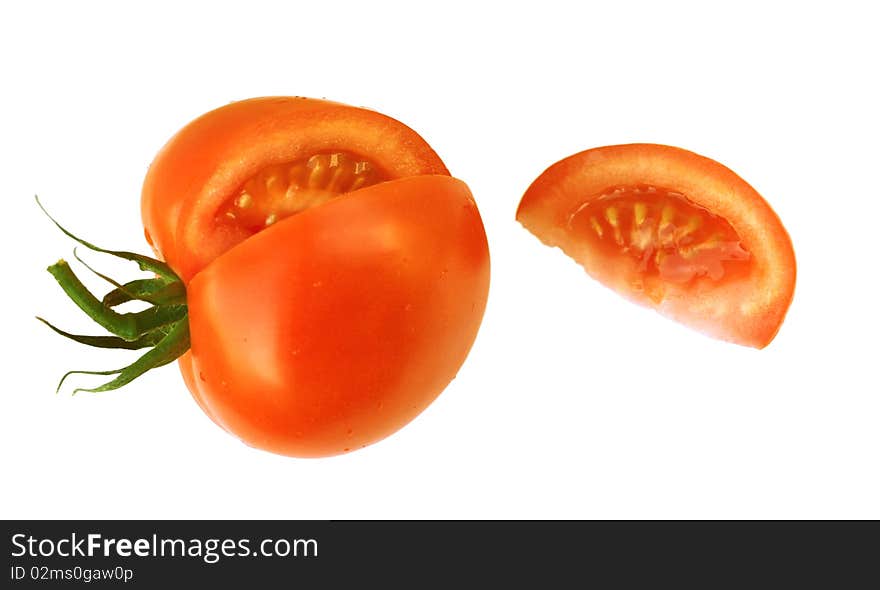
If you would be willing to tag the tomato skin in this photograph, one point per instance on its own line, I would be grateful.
(214, 154)
(335, 327)
(747, 311)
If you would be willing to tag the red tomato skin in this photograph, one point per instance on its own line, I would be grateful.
(335, 327)
(748, 311)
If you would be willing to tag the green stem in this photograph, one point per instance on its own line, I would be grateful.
(155, 291)
(128, 326)
(69, 373)
(156, 317)
(151, 338)
(132, 290)
(172, 346)
(163, 327)
(123, 325)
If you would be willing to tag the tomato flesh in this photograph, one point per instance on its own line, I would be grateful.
(671, 237)
(281, 190)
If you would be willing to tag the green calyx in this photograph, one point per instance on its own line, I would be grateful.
(163, 327)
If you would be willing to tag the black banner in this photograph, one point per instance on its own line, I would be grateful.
(276, 554)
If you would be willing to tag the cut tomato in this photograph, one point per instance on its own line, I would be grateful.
(323, 277)
(336, 275)
(671, 230)
(242, 167)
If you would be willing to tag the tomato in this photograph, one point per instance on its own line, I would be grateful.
(671, 230)
(336, 275)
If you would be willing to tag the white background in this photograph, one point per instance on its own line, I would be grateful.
(573, 403)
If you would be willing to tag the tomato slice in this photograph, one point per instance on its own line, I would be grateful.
(237, 169)
(671, 230)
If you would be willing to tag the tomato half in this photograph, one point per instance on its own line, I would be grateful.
(671, 230)
(336, 276)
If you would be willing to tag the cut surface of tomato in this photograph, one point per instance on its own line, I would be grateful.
(671, 230)
(670, 237)
(281, 190)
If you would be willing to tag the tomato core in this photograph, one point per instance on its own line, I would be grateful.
(670, 236)
(281, 190)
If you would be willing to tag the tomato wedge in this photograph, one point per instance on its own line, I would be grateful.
(671, 230)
